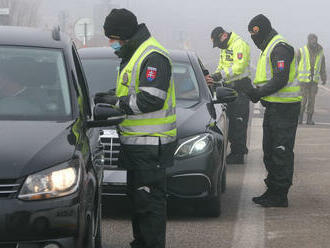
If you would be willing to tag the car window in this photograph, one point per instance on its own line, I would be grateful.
(101, 74)
(33, 84)
(186, 85)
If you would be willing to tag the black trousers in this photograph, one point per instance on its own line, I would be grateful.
(279, 134)
(238, 114)
(147, 194)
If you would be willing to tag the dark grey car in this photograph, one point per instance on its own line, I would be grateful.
(199, 171)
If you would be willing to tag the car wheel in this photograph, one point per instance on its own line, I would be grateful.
(90, 229)
(93, 236)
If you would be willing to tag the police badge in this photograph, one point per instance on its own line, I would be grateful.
(125, 79)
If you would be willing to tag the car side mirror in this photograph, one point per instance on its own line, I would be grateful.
(225, 95)
(105, 115)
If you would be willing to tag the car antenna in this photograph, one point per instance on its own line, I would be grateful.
(56, 33)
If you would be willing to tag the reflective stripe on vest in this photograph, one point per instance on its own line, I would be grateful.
(304, 67)
(289, 93)
(146, 128)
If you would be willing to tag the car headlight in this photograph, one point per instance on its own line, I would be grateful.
(54, 182)
(193, 146)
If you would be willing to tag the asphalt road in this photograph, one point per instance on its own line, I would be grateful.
(305, 224)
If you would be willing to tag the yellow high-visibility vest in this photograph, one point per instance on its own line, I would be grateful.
(146, 128)
(289, 93)
(304, 67)
(234, 63)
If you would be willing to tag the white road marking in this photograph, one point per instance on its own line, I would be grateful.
(249, 228)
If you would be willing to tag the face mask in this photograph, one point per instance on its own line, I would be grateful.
(116, 46)
(258, 40)
(223, 44)
(220, 44)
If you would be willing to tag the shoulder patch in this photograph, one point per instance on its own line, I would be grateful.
(151, 73)
(280, 65)
(240, 56)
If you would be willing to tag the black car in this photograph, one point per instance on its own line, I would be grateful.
(200, 169)
(50, 157)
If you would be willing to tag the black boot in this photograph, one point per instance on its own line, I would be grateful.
(310, 120)
(261, 198)
(235, 158)
(275, 201)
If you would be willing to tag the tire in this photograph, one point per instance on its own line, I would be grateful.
(90, 229)
(93, 233)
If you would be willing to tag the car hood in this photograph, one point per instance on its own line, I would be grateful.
(27, 147)
(192, 118)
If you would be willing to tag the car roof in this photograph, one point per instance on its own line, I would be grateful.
(24, 36)
(107, 52)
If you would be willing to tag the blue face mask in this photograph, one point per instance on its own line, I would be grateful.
(116, 46)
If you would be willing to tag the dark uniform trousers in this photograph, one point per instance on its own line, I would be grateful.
(238, 113)
(147, 193)
(279, 133)
(146, 189)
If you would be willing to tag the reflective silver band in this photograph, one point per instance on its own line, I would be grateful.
(153, 115)
(158, 128)
(287, 94)
(230, 71)
(155, 92)
(304, 58)
(268, 64)
(240, 76)
(133, 104)
(146, 140)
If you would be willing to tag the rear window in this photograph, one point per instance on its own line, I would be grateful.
(33, 84)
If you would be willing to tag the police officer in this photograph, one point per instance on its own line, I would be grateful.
(311, 69)
(234, 71)
(279, 93)
(145, 92)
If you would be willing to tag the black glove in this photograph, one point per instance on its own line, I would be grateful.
(104, 97)
(253, 94)
(216, 76)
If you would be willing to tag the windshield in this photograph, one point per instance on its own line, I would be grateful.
(33, 84)
(102, 75)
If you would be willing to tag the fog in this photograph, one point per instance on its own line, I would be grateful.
(188, 23)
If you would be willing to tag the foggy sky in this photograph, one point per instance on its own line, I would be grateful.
(170, 21)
